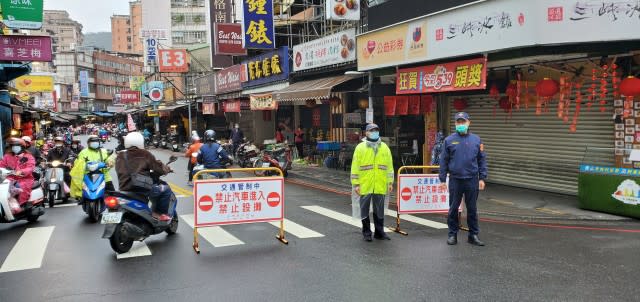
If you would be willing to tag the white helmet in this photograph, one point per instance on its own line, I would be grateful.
(134, 139)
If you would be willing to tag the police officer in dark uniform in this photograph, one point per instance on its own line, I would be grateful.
(464, 159)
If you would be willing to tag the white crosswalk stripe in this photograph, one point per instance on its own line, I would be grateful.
(28, 252)
(296, 229)
(418, 220)
(216, 235)
(338, 216)
(139, 249)
(64, 205)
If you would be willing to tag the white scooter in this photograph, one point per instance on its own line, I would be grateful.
(10, 209)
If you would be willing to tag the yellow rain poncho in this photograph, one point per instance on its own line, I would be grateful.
(77, 173)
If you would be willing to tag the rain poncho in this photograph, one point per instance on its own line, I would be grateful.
(372, 170)
(77, 173)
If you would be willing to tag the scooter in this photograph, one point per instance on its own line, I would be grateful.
(54, 185)
(278, 158)
(10, 209)
(156, 140)
(247, 154)
(129, 217)
(93, 185)
(163, 142)
(175, 147)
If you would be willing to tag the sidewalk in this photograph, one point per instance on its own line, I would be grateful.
(496, 201)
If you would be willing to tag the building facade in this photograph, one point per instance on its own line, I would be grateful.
(125, 30)
(66, 33)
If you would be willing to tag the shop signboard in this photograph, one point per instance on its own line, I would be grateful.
(22, 14)
(258, 27)
(75, 106)
(129, 97)
(263, 101)
(208, 108)
(334, 49)
(25, 48)
(34, 83)
(228, 39)
(115, 109)
(269, 67)
(84, 83)
(232, 106)
(205, 85)
(400, 44)
(150, 51)
(343, 9)
(453, 76)
(228, 80)
(173, 60)
(160, 34)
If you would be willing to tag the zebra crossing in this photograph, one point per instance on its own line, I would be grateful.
(29, 251)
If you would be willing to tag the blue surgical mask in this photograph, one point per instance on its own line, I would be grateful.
(462, 129)
(374, 135)
(94, 145)
(16, 149)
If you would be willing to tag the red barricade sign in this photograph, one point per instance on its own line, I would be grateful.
(421, 193)
(238, 200)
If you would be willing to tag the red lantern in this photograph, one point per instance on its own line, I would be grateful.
(547, 88)
(494, 92)
(335, 101)
(511, 92)
(460, 104)
(630, 86)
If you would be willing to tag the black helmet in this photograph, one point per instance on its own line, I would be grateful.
(93, 138)
(210, 135)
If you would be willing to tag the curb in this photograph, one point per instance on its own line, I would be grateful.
(303, 181)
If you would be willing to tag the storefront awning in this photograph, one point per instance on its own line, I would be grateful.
(230, 95)
(171, 108)
(267, 88)
(59, 119)
(312, 90)
(67, 116)
(103, 114)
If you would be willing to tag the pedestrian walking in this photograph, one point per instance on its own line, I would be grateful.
(464, 159)
(372, 179)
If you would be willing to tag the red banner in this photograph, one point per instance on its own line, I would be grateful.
(428, 104)
(414, 105)
(389, 105)
(402, 105)
(316, 117)
(454, 76)
(129, 96)
(228, 39)
(208, 108)
(173, 60)
(232, 106)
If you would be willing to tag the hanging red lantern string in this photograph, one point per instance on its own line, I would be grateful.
(511, 92)
(592, 89)
(629, 88)
(567, 107)
(526, 95)
(565, 102)
(576, 114)
(546, 89)
(495, 94)
(603, 88)
(518, 90)
(615, 80)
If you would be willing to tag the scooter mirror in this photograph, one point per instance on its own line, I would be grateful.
(172, 159)
(110, 151)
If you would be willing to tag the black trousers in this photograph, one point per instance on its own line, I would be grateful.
(378, 213)
(190, 169)
(300, 147)
(467, 188)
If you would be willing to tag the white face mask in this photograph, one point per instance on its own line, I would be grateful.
(94, 145)
(16, 149)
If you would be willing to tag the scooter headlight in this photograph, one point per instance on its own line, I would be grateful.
(55, 163)
(92, 167)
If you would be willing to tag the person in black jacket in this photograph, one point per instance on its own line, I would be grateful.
(61, 153)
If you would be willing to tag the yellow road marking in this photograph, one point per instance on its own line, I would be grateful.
(545, 210)
(180, 190)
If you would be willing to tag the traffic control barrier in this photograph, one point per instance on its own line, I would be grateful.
(420, 194)
(237, 200)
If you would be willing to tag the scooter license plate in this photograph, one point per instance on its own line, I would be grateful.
(53, 187)
(109, 218)
(266, 165)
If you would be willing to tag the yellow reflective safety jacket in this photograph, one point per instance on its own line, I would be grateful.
(77, 172)
(371, 170)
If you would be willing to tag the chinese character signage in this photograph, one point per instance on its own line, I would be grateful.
(343, 9)
(206, 85)
(129, 97)
(232, 106)
(269, 67)
(263, 102)
(84, 83)
(173, 60)
(22, 14)
(421, 193)
(234, 201)
(334, 49)
(25, 48)
(393, 46)
(209, 108)
(136, 82)
(33, 83)
(228, 39)
(258, 26)
(228, 80)
(160, 34)
(150, 51)
(454, 76)
(220, 11)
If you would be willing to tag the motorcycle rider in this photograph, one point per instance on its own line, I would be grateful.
(121, 136)
(193, 148)
(61, 153)
(92, 153)
(76, 146)
(22, 163)
(32, 149)
(212, 155)
(140, 161)
(236, 137)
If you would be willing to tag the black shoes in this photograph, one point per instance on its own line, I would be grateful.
(382, 237)
(367, 238)
(452, 240)
(473, 239)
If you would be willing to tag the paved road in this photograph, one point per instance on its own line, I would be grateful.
(63, 258)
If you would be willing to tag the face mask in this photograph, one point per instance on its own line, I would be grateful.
(16, 149)
(462, 129)
(94, 145)
(74, 146)
(374, 135)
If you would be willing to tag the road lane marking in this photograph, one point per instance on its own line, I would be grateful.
(296, 229)
(28, 252)
(215, 235)
(418, 220)
(181, 196)
(338, 216)
(139, 249)
(180, 190)
(63, 205)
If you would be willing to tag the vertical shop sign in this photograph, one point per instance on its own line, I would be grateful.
(84, 83)
(258, 26)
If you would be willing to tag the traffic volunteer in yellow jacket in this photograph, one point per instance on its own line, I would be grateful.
(372, 179)
(92, 153)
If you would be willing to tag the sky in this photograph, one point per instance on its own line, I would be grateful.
(94, 15)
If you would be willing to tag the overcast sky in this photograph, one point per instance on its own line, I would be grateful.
(94, 15)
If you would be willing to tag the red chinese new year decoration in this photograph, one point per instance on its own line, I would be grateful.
(614, 80)
(494, 92)
(511, 92)
(576, 114)
(603, 87)
(460, 104)
(565, 102)
(335, 101)
(389, 105)
(505, 104)
(518, 89)
(545, 89)
(630, 86)
(414, 105)
(428, 104)
(402, 105)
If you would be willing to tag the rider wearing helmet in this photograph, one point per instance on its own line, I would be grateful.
(136, 160)
(211, 154)
(92, 153)
(76, 146)
(194, 148)
(61, 153)
(32, 149)
(22, 163)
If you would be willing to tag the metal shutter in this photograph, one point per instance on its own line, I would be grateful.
(537, 151)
